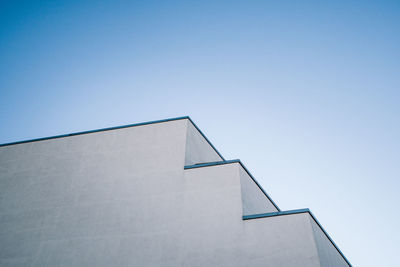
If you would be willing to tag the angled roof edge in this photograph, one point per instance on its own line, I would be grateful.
(209, 164)
(205, 137)
(271, 214)
(289, 212)
(95, 131)
(109, 129)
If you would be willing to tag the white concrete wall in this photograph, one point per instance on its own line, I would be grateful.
(254, 200)
(102, 199)
(280, 241)
(212, 225)
(214, 234)
(123, 198)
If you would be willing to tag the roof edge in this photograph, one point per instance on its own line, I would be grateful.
(271, 214)
(101, 130)
(204, 136)
(209, 164)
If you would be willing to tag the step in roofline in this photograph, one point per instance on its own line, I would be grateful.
(210, 164)
(114, 128)
(298, 211)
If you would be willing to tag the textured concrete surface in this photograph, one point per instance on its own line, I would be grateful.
(122, 198)
(99, 199)
(281, 241)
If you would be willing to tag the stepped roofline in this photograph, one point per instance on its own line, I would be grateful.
(209, 164)
(114, 128)
(289, 212)
(270, 214)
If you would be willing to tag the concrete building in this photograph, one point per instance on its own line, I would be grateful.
(149, 194)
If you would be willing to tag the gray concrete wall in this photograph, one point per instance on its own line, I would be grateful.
(254, 200)
(328, 254)
(198, 150)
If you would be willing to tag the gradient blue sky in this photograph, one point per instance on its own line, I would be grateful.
(305, 93)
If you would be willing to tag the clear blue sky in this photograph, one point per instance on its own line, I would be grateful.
(306, 93)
